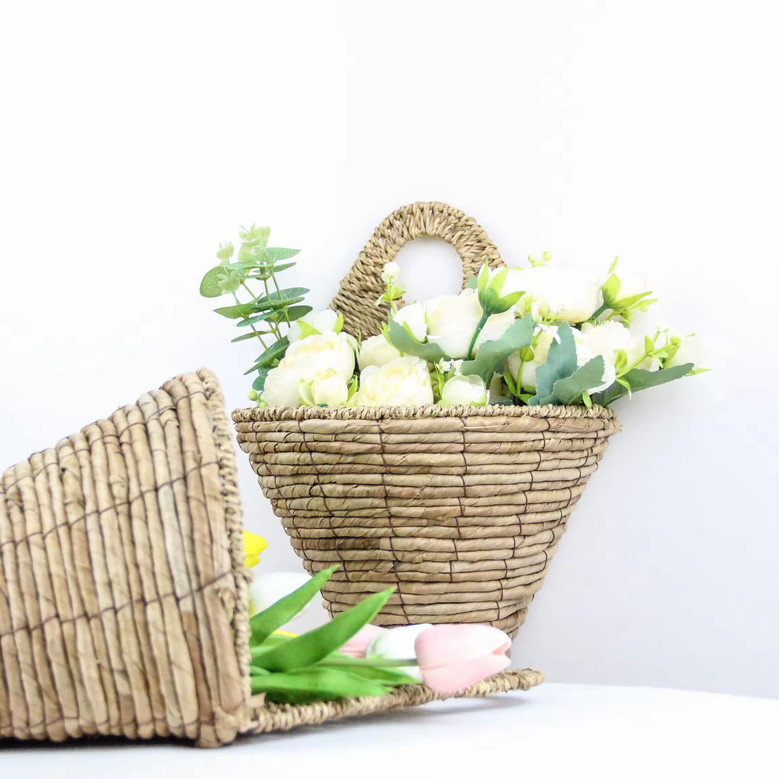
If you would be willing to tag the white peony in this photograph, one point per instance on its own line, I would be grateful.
(606, 339)
(324, 321)
(524, 372)
(690, 350)
(282, 388)
(376, 350)
(452, 320)
(398, 644)
(405, 381)
(566, 295)
(413, 315)
(464, 391)
(313, 357)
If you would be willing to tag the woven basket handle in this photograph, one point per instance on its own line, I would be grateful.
(362, 286)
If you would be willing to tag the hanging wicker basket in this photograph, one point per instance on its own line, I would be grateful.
(123, 594)
(461, 508)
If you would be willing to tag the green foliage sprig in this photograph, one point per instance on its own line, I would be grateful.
(266, 314)
(306, 668)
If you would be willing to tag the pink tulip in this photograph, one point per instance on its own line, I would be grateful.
(453, 657)
(356, 645)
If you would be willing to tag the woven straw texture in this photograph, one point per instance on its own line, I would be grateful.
(460, 508)
(123, 594)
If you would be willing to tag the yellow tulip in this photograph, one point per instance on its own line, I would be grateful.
(253, 547)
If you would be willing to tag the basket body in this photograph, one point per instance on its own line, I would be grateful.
(122, 589)
(460, 508)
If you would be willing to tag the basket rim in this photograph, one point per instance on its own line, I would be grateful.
(279, 413)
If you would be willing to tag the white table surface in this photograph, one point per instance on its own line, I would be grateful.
(557, 729)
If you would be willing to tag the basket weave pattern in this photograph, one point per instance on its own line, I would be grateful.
(461, 508)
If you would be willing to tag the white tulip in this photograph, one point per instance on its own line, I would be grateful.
(314, 357)
(566, 295)
(524, 373)
(464, 391)
(376, 350)
(324, 321)
(390, 272)
(404, 381)
(413, 315)
(267, 588)
(329, 391)
(398, 644)
(282, 388)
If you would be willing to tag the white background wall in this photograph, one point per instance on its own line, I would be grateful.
(136, 136)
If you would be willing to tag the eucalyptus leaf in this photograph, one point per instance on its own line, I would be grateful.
(560, 364)
(317, 644)
(282, 611)
(492, 353)
(270, 355)
(252, 320)
(237, 311)
(284, 297)
(245, 336)
(209, 286)
(639, 379)
(259, 382)
(270, 256)
(405, 343)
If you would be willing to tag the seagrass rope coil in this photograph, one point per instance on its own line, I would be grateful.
(460, 508)
(123, 594)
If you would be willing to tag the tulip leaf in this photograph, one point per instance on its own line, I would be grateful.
(405, 343)
(314, 684)
(492, 353)
(560, 364)
(569, 390)
(317, 644)
(639, 379)
(263, 624)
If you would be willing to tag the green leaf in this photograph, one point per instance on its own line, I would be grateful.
(306, 329)
(236, 312)
(560, 364)
(210, 285)
(252, 320)
(259, 383)
(247, 336)
(639, 379)
(314, 684)
(264, 272)
(405, 343)
(282, 611)
(284, 297)
(317, 644)
(270, 355)
(391, 676)
(569, 390)
(492, 353)
(270, 256)
(472, 283)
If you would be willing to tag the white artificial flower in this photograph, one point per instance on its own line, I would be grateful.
(608, 377)
(690, 350)
(398, 644)
(565, 295)
(282, 387)
(452, 320)
(524, 373)
(413, 315)
(267, 588)
(404, 381)
(324, 321)
(606, 339)
(329, 391)
(464, 391)
(376, 350)
(390, 272)
(313, 357)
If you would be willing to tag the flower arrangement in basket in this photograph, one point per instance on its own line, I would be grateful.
(440, 446)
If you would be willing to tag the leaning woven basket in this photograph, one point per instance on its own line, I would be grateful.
(460, 508)
(123, 594)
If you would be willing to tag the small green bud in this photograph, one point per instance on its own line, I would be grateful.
(225, 252)
(527, 354)
(253, 395)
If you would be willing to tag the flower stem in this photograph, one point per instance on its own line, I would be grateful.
(479, 328)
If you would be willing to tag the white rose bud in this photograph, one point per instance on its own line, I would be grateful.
(376, 350)
(413, 315)
(398, 644)
(324, 321)
(390, 272)
(464, 391)
(405, 381)
(282, 388)
(330, 391)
